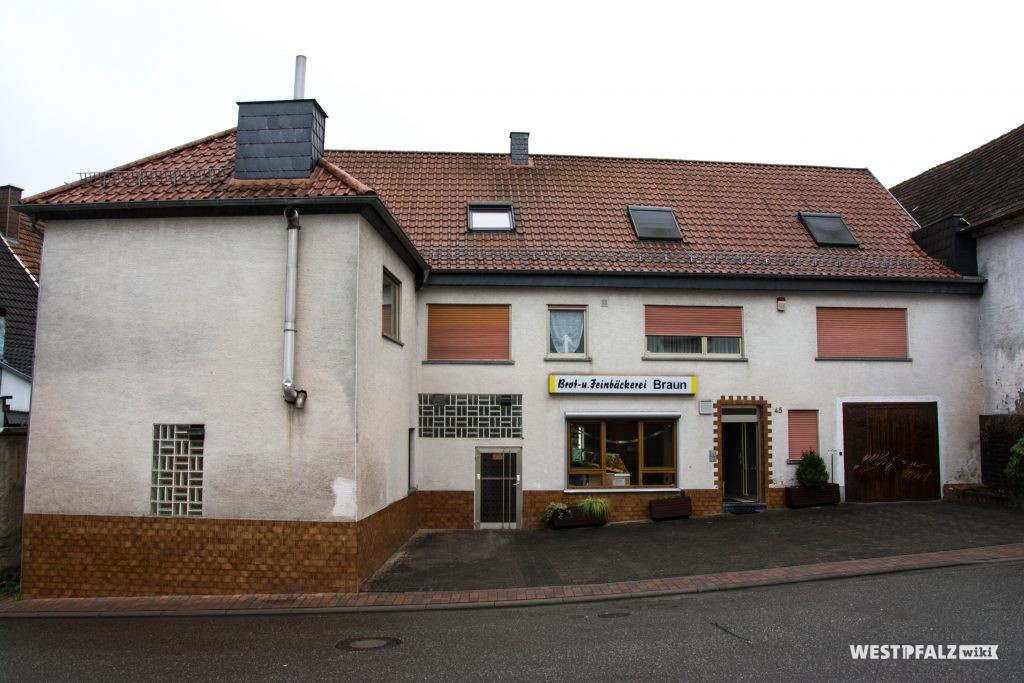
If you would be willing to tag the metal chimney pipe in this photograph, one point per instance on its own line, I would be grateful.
(300, 77)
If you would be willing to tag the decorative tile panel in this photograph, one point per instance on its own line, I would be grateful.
(471, 416)
(176, 486)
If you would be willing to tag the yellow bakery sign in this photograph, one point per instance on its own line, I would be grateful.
(622, 384)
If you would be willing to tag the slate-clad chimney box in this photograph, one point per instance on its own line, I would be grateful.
(519, 148)
(282, 139)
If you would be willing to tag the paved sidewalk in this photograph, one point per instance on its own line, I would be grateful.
(731, 542)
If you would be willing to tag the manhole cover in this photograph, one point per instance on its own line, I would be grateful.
(368, 643)
(613, 615)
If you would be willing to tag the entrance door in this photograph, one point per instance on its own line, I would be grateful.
(891, 451)
(499, 491)
(741, 452)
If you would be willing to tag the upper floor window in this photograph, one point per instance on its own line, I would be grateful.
(693, 331)
(491, 216)
(862, 333)
(654, 223)
(468, 332)
(391, 299)
(567, 331)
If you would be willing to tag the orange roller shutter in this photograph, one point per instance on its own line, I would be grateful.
(803, 432)
(467, 332)
(694, 321)
(862, 333)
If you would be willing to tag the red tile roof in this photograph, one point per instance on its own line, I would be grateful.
(570, 211)
(982, 185)
(198, 170)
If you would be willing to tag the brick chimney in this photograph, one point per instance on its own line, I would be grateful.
(9, 218)
(520, 148)
(283, 139)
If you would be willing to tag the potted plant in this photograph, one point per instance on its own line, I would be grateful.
(813, 485)
(674, 506)
(587, 512)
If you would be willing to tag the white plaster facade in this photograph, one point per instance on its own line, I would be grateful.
(1001, 317)
(779, 364)
(184, 326)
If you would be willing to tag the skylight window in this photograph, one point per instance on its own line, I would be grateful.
(828, 229)
(654, 223)
(491, 216)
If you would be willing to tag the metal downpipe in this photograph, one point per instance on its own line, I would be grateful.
(296, 397)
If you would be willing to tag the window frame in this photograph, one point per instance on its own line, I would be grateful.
(826, 236)
(581, 355)
(641, 467)
(636, 214)
(797, 457)
(396, 314)
(490, 207)
(861, 326)
(704, 338)
(507, 336)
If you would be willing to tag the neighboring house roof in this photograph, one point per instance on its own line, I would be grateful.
(25, 238)
(571, 212)
(18, 295)
(985, 185)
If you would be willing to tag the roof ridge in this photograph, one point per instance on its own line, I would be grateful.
(129, 165)
(600, 157)
(344, 176)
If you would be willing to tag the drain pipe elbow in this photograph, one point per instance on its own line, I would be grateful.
(292, 395)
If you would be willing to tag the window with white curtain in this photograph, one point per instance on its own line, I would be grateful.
(567, 331)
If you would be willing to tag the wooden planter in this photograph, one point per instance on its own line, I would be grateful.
(574, 518)
(671, 508)
(805, 497)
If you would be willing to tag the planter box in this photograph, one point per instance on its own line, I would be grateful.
(671, 508)
(803, 497)
(575, 518)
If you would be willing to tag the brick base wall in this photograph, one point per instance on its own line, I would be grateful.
(89, 555)
(445, 509)
(92, 555)
(776, 498)
(626, 506)
(384, 532)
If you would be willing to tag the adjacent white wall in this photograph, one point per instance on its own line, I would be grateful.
(180, 321)
(386, 372)
(780, 349)
(1001, 261)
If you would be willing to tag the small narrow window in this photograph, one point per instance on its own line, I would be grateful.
(491, 216)
(828, 229)
(567, 331)
(390, 306)
(803, 433)
(654, 223)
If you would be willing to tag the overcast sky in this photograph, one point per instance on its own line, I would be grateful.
(896, 87)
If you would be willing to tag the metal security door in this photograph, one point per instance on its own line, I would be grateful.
(499, 493)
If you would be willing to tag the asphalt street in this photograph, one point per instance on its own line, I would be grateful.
(792, 633)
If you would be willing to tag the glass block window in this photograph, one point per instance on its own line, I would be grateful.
(176, 487)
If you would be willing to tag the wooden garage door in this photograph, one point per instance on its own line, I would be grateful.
(891, 451)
